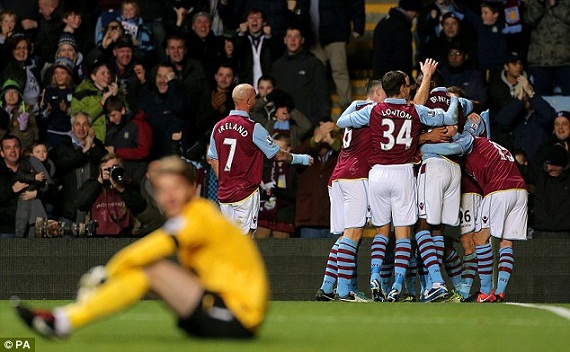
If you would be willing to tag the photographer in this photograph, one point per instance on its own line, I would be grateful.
(111, 201)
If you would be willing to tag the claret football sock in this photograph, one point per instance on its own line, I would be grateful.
(485, 267)
(468, 274)
(401, 259)
(427, 251)
(377, 254)
(386, 271)
(331, 270)
(346, 263)
(506, 263)
(453, 268)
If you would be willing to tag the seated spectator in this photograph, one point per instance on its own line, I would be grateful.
(458, 71)
(559, 137)
(66, 48)
(286, 119)
(525, 121)
(16, 117)
(56, 103)
(76, 159)
(20, 67)
(278, 189)
(312, 210)
(91, 94)
(112, 32)
(551, 208)
(129, 137)
(502, 88)
(112, 201)
(261, 112)
(8, 21)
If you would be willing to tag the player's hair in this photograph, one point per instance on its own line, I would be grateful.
(113, 103)
(176, 166)
(372, 84)
(436, 79)
(392, 81)
(457, 91)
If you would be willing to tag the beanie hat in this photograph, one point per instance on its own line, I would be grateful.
(410, 5)
(447, 15)
(65, 63)
(563, 113)
(67, 38)
(557, 156)
(11, 84)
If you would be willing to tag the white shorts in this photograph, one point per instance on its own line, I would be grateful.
(439, 191)
(392, 195)
(349, 204)
(243, 213)
(505, 214)
(470, 213)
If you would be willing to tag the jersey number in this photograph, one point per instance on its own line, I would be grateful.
(503, 152)
(347, 138)
(404, 136)
(232, 142)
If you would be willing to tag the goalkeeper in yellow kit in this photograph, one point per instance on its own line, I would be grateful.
(219, 289)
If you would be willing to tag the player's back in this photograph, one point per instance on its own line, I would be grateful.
(240, 160)
(394, 130)
(493, 167)
(225, 261)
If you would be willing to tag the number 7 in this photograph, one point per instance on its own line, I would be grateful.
(232, 142)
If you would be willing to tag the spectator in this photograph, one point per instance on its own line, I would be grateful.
(49, 29)
(129, 137)
(204, 46)
(256, 48)
(206, 180)
(152, 217)
(559, 137)
(11, 190)
(91, 94)
(502, 88)
(17, 118)
(167, 110)
(261, 112)
(179, 13)
(278, 188)
(74, 25)
(392, 41)
(525, 122)
(112, 202)
(286, 119)
(312, 211)
(76, 159)
(26, 12)
(221, 97)
(303, 76)
(549, 50)
(66, 48)
(8, 21)
(552, 197)
(112, 32)
(333, 23)
(454, 32)
(123, 66)
(56, 103)
(20, 67)
(36, 170)
(461, 73)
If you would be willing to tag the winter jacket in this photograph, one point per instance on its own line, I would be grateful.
(392, 44)
(552, 202)
(8, 199)
(87, 98)
(9, 124)
(549, 44)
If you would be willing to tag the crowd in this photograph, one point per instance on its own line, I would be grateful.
(113, 84)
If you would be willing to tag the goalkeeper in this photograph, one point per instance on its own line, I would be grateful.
(219, 289)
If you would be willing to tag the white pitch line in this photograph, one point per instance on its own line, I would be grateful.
(560, 311)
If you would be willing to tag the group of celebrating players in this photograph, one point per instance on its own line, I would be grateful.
(463, 179)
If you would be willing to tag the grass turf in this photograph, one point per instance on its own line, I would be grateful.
(327, 327)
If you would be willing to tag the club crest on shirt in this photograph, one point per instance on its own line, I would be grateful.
(269, 140)
(421, 206)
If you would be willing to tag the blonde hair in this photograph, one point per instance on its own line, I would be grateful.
(176, 166)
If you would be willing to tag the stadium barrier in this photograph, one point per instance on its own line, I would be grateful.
(50, 268)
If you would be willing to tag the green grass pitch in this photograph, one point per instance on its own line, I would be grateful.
(327, 327)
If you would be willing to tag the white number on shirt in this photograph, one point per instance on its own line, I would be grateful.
(404, 136)
(347, 138)
(232, 142)
(503, 152)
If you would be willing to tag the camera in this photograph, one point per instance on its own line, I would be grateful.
(48, 228)
(117, 173)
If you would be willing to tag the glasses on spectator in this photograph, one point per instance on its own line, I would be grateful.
(455, 53)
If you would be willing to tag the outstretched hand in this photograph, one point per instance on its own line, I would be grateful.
(428, 67)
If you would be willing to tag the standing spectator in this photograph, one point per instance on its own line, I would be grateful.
(17, 118)
(551, 207)
(312, 212)
(123, 66)
(559, 137)
(333, 23)
(205, 46)
(549, 50)
(110, 202)
(221, 102)
(49, 29)
(303, 76)
(76, 159)
(167, 109)
(56, 103)
(525, 121)
(129, 137)
(256, 48)
(392, 41)
(278, 189)
(20, 67)
(178, 15)
(261, 110)
(74, 25)
(286, 119)
(112, 32)
(90, 96)
(27, 13)
(237, 148)
(11, 190)
(459, 72)
(502, 88)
